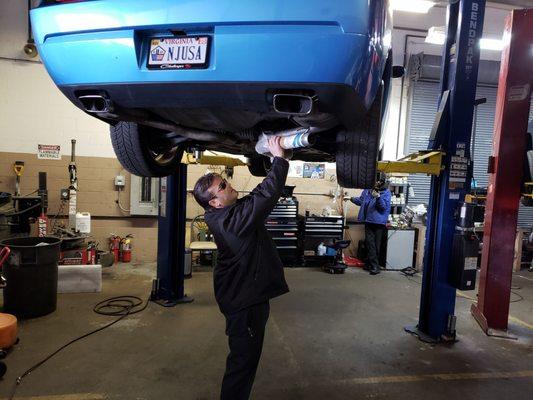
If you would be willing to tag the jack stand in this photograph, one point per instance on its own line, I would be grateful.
(168, 287)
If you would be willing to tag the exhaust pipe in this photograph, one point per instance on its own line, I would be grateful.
(290, 139)
(293, 104)
(96, 104)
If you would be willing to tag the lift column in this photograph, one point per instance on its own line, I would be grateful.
(506, 170)
(451, 134)
(168, 288)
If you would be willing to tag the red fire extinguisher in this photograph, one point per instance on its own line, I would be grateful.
(42, 225)
(91, 253)
(114, 246)
(125, 249)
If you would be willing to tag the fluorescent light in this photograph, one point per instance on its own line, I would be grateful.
(491, 44)
(436, 35)
(414, 6)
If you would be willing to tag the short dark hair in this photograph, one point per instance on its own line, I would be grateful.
(200, 192)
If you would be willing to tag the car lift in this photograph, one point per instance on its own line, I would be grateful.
(506, 170)
(452, 180)
(455, 116)
(168, 287)
(451, 134)
(448, 160)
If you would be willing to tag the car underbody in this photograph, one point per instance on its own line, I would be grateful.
(226, 117)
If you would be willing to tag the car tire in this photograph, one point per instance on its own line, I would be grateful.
(259, 165)
(134, 148)
(358, 148)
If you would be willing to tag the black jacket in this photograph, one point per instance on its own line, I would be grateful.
(249, 270)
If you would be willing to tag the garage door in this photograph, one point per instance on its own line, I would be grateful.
(422, 109)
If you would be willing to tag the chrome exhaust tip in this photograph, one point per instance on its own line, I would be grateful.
(293, 104)
(96, 104)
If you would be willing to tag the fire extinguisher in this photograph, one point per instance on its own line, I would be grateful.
(125, 249)
(114, 246)
(42, 225)
(91, 253)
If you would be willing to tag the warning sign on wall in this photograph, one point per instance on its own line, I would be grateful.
(48, 152)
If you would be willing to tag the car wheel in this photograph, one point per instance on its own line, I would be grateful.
(143, 150)
(259, 165)
(358, 148)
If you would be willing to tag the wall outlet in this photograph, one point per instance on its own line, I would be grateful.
(120, 181)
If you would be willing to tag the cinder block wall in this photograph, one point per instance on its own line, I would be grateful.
(97, 196)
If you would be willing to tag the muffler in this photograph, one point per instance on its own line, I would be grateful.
(293, 104)
(290, 139)
(96, 104)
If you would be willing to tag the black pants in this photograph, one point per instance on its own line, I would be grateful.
(245, 330)
(373, 237)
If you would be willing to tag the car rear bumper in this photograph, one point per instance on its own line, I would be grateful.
(96, 43)
(263, 54)
(339, 100)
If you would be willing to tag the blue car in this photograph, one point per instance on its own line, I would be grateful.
(176, 75)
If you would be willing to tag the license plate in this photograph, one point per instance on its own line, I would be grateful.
(179, 52)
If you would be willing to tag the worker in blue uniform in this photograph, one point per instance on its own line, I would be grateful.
(374, 212)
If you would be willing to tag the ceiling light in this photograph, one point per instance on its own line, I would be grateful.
(491, 44)
(414, 6)
(436, 35)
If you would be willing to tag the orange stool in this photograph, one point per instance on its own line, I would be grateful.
(8, 331)
(8, 322)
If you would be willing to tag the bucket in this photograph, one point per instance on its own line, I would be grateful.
(31, 276)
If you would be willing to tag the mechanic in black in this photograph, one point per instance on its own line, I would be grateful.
(249, 271)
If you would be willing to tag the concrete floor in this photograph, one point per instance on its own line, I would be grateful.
(332, 337)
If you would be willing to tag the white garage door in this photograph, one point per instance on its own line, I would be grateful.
(422, 109)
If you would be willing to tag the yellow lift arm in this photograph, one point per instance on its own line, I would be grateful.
(422, 162)
(212, 160)
(430, 163)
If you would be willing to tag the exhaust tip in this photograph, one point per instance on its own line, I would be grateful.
(293, 104)
(95, 103)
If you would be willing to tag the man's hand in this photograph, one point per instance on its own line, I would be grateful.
(375, 193)
(275, 148)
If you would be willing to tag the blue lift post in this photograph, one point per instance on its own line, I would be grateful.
(451, 133)
(168, 287)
